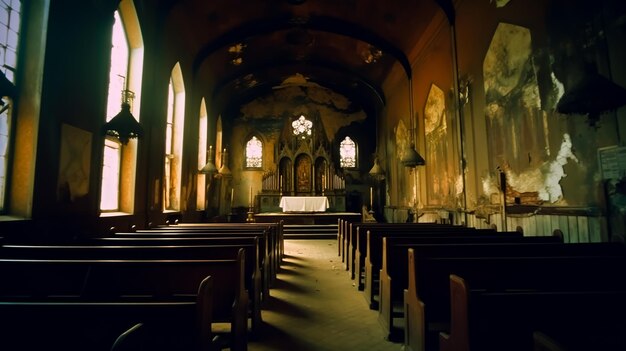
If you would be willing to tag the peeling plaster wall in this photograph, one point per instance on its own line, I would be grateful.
(516, 85)
(517, 66)
(335, 110)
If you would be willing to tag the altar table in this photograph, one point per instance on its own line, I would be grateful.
(304, 203)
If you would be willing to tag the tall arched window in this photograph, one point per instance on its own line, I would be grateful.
(119, 161)
(347, 153)
(218, 143)
(174, 141)
(202, 155)
(254, 153)
(9, 37)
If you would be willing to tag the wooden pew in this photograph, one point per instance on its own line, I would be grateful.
(373, 256)
(82, 296)
(583, 308)
(340, 229)
(184, 240)
(427, 301)
(359, 249)
(268, 253)
(275, 233)
(354, 228)
(252, 278)
(268, 232)
(394, 272)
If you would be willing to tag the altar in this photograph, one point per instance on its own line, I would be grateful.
(304, 203)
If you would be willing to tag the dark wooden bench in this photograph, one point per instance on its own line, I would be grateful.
(183, 240)
(584, 309)
(75, 299)
(354, 228)
(373, 252)
(265, 244)
(269, 236)
(394, 272)
(203, 251)
(359, 249)
(427, 299)
(275, 231)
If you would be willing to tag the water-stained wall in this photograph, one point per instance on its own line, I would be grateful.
(515, 62)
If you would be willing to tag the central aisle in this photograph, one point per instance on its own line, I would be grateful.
(314, 305)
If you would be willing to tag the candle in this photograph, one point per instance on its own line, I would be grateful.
(250, 198)
(232, 196)
(281, 182)
(371, 197)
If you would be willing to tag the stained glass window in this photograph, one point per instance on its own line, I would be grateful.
(302, 127)
(347, 153)
(110, 191)
(254, 153)
(9, 35)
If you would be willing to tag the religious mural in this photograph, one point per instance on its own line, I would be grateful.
(402, 142)
(303, 174)
(517, 127)
(440, 175)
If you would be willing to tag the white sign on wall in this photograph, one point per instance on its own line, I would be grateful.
(612, 161)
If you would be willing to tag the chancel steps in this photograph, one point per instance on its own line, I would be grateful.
(310, 231)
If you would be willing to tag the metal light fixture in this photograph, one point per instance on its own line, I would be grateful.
(411, 157)
(124, 126)
(6, 89)
(224, 170)
(377, 171)
(592, 95)
(209, 167)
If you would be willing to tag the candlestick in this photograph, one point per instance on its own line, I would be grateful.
(250, 198)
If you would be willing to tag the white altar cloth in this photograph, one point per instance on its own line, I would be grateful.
(304, 203)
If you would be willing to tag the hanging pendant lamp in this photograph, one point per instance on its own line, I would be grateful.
(124, 126)
(209, 167)
(411, 157)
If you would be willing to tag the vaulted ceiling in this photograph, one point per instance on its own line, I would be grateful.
(252, 47)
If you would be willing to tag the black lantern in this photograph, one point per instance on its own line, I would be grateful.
(124, 126)
(411, 157)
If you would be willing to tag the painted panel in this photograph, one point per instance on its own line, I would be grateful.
(303, 174)
(583, 229)
(595, 229)
(555, 224)
(573, 229)
(440, 176)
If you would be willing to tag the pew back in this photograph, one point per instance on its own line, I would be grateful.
(427, 299)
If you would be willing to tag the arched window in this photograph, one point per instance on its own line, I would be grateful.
(119, 161)
(9, 38)
(347, 153)
(254, 153)
(202, 155)
(174, 141)
(302, 127)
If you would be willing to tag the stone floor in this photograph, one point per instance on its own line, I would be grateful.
(314, 305)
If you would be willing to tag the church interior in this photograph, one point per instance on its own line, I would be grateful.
(126, 116)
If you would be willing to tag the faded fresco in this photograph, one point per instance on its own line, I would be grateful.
(74, 163)
(303, 174)
(406, 195)
(440, 177)
(296, 96)
(517, 128)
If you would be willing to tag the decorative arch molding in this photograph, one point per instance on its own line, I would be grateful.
(304, 166)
